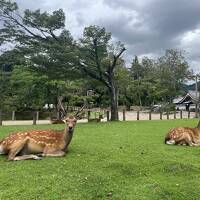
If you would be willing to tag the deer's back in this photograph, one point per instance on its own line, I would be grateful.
(35, 137)
(182, 132)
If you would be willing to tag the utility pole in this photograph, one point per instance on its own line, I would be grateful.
(196, 77)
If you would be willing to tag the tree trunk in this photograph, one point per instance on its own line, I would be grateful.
(57, 107)
(114, 104)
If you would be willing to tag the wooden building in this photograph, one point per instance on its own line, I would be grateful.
(188, 101)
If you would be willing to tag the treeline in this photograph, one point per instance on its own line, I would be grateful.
(46, 64)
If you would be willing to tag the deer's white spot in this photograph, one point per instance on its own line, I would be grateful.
(170, 142)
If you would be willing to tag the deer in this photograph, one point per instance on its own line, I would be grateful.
(96, 119)
(184, 136)
(56, 121)
(35, 144)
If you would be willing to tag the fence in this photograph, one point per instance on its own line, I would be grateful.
(124, 115)
(148, 115)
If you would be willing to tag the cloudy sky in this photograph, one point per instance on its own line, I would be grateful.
(146, 27)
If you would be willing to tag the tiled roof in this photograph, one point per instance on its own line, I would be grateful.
(190, 97)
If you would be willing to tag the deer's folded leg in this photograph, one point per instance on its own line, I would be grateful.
(27, 157)
(57, 153)
(15, 148)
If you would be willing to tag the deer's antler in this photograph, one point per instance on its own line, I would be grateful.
(77, 114)
(63, 110)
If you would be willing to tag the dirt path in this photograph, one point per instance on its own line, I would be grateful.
(130, 116)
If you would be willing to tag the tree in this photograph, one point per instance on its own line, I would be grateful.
(172, 70)
(137, 73)
(41, 39)
(4, 90)
(7, 61)
(159, 80)
(99, 60)
(28, 90)
(39, 36)
(50, 48)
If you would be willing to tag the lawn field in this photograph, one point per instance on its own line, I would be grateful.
(118, 160)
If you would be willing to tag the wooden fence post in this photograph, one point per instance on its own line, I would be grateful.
(1, 118)
(150, 115)
(188, 114)
(175, 114)
(160, 115)
(95, 114)
(167, 115)
(108, 115)
(37, 115)
(34, 118)
(196, 111)
(138, 115)
(181, 114)
(124, 115)
(88, 116)
(13, 115)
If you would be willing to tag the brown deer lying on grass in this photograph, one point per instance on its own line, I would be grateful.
(184, 136)
(56, 121)
(32, 144)
(96, 119)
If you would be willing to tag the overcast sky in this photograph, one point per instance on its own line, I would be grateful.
(146, 27)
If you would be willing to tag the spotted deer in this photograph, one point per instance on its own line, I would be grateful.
(184, 136)
(56, 121)
(34, 144)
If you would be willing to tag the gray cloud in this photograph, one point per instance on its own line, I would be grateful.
(146, 27)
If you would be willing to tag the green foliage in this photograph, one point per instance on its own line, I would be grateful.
(120, 160)
(155, 81)
(43, 45)
(28, 89)
(45, 20)
(5, 90)
(93, 52)
(99, 61)
(41, 38)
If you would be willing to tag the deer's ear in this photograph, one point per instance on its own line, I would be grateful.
(65, 119)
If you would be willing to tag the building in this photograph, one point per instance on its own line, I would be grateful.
(188, 101)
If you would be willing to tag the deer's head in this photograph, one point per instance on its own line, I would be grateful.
(70, 121)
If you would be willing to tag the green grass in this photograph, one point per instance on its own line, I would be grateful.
(119, 160)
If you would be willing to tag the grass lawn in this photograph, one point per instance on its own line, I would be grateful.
(119, 160)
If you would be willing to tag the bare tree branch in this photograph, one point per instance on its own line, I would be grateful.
(93, 75)
(116, 57)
